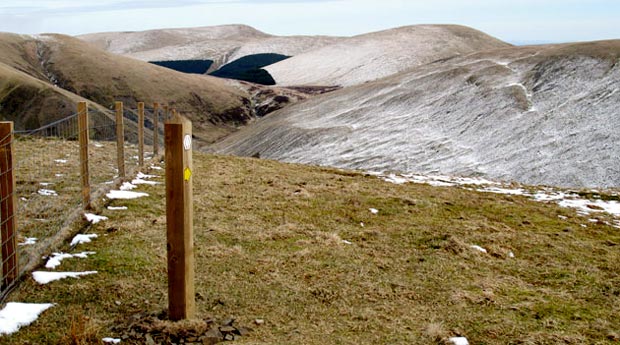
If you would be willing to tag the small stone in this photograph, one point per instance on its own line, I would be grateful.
(259, 321)
(214, 333)
(227, 329)
(229, 337)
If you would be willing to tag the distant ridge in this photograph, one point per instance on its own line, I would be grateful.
(222, 44)
(375, 55)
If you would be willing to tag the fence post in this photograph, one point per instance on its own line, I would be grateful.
(120, 140)
(141, 134)
(179, 218)
(83, 139)
(8, 204)
(166, 113)
(155, 129)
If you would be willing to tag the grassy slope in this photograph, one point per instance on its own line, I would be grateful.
(269, 245)
(25, 99)
(208, 101)
(102, 78)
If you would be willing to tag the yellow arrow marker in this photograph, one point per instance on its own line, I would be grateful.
(187, 174)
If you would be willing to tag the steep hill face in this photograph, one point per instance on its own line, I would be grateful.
(372, 56)
(538, 115)
(61, 66)
(222, 44)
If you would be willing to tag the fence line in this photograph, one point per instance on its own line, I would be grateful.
(7, 208)
(49, 183)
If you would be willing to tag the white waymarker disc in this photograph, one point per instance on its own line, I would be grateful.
(187, 142)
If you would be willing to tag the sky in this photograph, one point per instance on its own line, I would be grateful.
(522, 21)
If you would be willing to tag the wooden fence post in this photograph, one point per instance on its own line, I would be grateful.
(8, 204)
(166, 113)
(155, 129)
(83, 139)
(141, 134)
(120, 140)
(179, 218)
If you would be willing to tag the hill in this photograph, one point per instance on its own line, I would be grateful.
(371, 56)
(538, 115)
(222, 44)
(46, 74)
(295, 253)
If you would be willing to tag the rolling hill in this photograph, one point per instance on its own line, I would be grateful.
(43, 76)
(538, 115)
(371, 56)
(222, 44)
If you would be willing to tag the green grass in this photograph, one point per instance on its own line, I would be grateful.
(269, 245)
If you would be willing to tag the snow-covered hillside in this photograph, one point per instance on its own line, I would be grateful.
(372, 56)
(222, 44)
(537, 115)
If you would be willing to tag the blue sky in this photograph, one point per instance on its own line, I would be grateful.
(522, 21)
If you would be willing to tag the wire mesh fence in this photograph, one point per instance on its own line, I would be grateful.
(48, 178)
(7, 209)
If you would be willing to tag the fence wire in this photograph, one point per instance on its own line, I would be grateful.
(9, 270)
(48, 179)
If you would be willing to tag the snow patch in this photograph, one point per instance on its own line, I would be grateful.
(373, 210)
(499, 190)
(478, 248)
(117, 208)
(57, 258)
(142, 176)
(111, 340)
(141, 181)
(458, 341)
(28, 241)
(16, 315)
(83, 238)
(121, 194)
(564, 199)
(93, 218)
(47, 192)
(588, 206)
(127, 186)
(43, 278)
(60, 161)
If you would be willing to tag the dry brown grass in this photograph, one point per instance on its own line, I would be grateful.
(265, 250)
